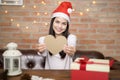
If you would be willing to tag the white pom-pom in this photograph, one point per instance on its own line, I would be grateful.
(69, 10)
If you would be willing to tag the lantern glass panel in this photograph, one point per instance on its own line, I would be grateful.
(7, 63)
(15, 64)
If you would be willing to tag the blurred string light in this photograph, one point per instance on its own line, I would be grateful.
(94, 2)
(18, 25)
(81, 13)
(38, 14)
(46, 23)
(87, 9)
(11, 20)
(43, 2)
(46, 13)
(34, 6)
(26, 27)
(73, 9)
(6, 11)
(23, 6)
(34, 21)
(58, 2)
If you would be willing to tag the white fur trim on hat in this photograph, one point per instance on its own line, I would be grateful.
(60, 14)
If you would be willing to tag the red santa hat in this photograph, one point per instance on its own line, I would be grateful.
(63, 10)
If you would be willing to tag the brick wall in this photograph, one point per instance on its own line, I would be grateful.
(97, 26)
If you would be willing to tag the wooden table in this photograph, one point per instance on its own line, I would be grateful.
(60, 74)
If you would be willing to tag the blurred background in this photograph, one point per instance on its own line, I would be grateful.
(96, 23)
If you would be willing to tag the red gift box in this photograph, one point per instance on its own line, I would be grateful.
(85, 73)
(88, 75)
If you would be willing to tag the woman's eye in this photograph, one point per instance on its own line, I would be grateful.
(56, 21)
(64, 23)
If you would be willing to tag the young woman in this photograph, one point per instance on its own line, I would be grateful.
(59, 26)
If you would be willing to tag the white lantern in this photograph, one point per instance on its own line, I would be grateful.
(12, 59)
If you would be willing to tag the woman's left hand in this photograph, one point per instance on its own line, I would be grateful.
(70, 50)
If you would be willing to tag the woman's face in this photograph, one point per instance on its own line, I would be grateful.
(59, 25)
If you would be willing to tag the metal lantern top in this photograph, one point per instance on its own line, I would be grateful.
(12, 50)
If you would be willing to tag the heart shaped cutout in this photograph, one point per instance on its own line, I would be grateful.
(55, 45)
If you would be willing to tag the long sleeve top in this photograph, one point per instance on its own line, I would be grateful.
(55, 61)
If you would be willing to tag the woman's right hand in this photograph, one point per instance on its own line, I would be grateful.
(40, 47)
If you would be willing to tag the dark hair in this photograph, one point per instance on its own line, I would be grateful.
(51, 31)
(65, 33)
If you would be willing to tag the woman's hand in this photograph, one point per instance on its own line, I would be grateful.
(70, 50)
(40, 47)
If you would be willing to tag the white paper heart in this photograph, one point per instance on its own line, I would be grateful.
(55, 45)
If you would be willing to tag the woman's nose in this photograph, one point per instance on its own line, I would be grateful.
(60, 25)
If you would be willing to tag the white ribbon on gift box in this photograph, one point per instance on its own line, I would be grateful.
(34, 77)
